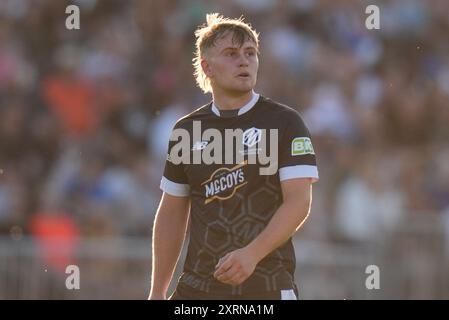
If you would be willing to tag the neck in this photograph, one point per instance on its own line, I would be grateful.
(231, 102)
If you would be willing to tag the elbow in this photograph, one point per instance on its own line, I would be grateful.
(302, 212)
(302, 219)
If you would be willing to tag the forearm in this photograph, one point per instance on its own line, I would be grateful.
(168, 236)
(288, 218)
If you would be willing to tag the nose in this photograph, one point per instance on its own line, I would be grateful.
(243, 60)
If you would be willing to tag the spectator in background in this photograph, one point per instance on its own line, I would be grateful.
(369, 204)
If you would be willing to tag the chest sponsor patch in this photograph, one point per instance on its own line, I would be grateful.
(224, 182)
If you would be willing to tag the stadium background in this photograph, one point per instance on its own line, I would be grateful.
(85, 117)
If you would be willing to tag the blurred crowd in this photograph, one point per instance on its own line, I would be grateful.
(85, 115)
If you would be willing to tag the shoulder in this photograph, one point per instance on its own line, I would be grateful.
(281, 112)
(200, 113)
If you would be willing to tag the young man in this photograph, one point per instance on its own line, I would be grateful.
(242, 213)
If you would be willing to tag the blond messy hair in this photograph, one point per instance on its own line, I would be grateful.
(206, 36)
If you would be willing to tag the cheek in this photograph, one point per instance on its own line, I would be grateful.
(218, 70)
(223, 72)
(256, 64)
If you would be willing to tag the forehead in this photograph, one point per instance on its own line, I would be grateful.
(230, 40)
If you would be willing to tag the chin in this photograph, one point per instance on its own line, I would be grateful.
(239, 88)
(243, 88)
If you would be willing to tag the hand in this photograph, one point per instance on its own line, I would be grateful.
(235, 267)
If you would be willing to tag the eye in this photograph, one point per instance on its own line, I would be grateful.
(230, 54)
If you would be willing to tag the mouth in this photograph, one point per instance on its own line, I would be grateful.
(244, 75)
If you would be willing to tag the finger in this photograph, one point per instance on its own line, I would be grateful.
(235, 280)
(228, 275)
(239, 277)
(225, 266)
(220, 262)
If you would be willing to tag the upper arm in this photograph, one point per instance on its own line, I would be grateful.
(297, 196)
(174, 205)
(298, 191)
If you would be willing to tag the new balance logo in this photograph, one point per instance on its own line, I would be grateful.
(199, 145)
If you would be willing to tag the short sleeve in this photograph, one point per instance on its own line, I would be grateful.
(296, 155)
(174, 180)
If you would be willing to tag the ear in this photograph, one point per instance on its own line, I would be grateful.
(206, 68)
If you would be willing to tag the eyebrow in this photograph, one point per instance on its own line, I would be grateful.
(236, 48)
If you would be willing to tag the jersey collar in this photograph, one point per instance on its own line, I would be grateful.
(240, 111)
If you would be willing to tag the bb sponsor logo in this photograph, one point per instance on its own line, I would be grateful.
(302, 146)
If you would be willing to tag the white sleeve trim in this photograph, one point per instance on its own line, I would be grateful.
(299, 171)
(174, 189)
